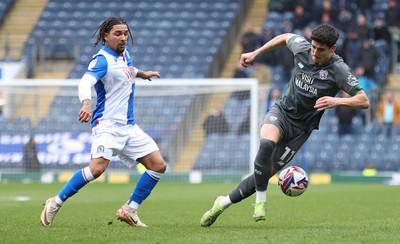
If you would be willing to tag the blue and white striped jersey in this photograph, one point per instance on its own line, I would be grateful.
(115, 86)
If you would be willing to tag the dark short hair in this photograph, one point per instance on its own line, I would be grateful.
(107, 25)
(325, 34)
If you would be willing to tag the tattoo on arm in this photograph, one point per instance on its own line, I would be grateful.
(139, 74)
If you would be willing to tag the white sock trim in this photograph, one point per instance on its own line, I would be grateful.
(58, 200)
(154, 175)
(87, 174)
(132, 204)
(226, 202)
(261, 196)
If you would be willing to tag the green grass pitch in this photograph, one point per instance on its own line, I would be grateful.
(336, 213)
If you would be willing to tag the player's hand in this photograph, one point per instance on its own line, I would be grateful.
(246, 59)
(85, 114)
(147, 75)
(325, 102)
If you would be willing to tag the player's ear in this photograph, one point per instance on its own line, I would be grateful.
(333, 48)
(105, 37)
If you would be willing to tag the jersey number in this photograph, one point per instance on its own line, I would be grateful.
(287, 155)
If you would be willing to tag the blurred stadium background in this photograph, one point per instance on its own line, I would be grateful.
(45, 46)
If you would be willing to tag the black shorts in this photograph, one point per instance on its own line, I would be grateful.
(292, 137)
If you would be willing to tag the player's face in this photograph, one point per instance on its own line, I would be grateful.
(117, 38)
(320, 53)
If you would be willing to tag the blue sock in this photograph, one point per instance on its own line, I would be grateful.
(77, 181)
(144, 186)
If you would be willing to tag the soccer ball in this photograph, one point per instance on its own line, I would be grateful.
(293, 181)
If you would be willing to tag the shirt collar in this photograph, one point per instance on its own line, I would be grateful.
(110, 51)
(330, 61)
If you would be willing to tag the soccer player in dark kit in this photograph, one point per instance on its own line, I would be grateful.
(319, 74)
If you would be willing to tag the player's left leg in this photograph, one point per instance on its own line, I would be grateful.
(263, 168)
(155, 168)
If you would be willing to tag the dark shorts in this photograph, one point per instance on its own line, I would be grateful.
(292, 138)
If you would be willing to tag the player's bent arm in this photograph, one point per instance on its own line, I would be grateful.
(358, 101)
(85, 96)
(278, 41)
(85, 87)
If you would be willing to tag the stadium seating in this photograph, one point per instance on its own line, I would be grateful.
(181, 38)
(171, 32)
(235, 112)
(166, 108)
(178, 38)
(220, 154)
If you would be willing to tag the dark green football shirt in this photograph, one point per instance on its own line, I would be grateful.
(310, 81)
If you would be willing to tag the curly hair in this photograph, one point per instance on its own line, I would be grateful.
(325, 34)
(106, 26)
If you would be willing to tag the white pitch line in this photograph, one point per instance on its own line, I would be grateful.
(16, 198)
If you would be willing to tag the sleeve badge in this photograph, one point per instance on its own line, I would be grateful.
(351, 80)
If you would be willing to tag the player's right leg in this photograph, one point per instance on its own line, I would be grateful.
(77, 181)
(49, 212)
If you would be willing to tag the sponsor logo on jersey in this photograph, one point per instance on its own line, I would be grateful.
(130, 75)
(272, 118)
(300, 65)
(307, 79)
(305, 82)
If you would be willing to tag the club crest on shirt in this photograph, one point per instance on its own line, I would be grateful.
(351, 80)
(100, 148)
(323, 74)
(92, 64)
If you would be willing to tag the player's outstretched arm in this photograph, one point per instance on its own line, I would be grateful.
(147, 75)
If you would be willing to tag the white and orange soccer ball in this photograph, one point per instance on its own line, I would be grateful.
(293, 181)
